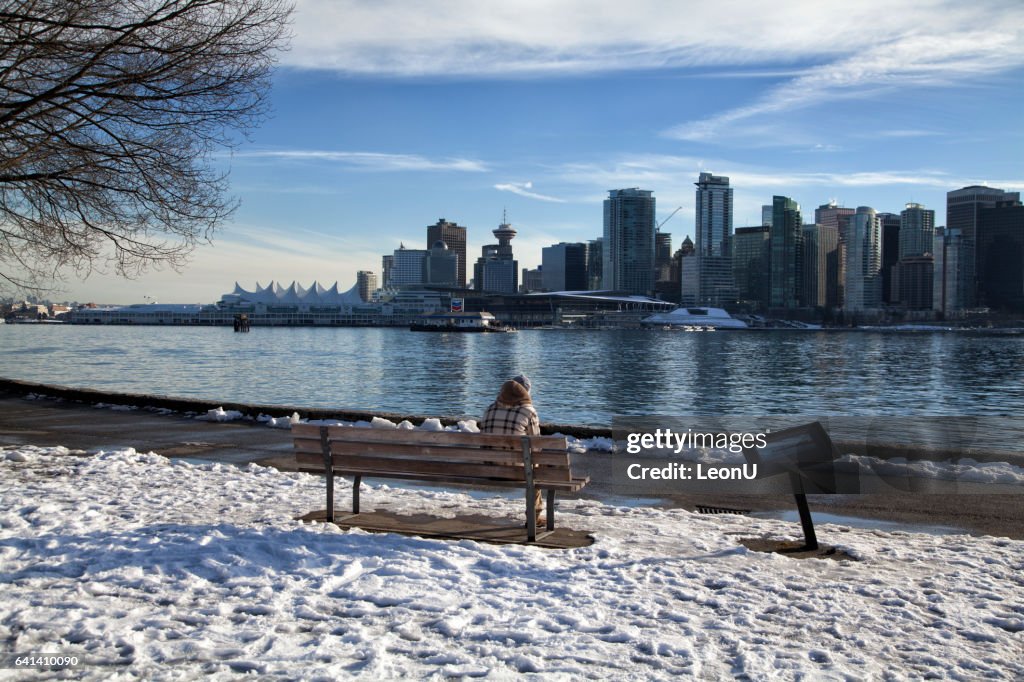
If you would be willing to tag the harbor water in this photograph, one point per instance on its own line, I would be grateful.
(582, 377)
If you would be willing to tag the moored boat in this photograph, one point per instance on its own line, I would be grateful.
(458, 322)
(695, 318)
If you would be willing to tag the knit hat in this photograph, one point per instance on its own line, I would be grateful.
(522, 380)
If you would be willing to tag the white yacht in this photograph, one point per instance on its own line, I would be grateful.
(695, 317)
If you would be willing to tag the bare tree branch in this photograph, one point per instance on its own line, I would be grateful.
(110, 113)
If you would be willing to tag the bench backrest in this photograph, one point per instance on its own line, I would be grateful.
(431, 454)
(805, 452)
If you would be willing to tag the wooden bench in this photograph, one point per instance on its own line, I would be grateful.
(476, 459)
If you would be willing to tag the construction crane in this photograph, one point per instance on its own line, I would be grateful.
(658, 226)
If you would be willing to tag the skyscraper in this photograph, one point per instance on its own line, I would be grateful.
(786, 246)
(564, 267)
(689, 279)
(917, 282)
(454, 236)
(1001, 256)
(962, 207)
(750, 261)
(662, 256)
(833, 215)
(713, 227)
(387, 265)
(687, 263)
(367, 281)
(441, 266)
(407, 266)
(629, 241)
(713, 223)
(911, 282)
(863, 261)
(595, 264)
(889, 223)
(917, 231)
(820, 262)
(953, 264)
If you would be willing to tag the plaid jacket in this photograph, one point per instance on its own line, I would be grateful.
(511, 420)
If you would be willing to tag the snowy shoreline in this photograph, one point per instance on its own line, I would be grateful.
(151, 568)
(159, 403)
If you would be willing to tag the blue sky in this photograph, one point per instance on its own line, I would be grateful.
(390, 115)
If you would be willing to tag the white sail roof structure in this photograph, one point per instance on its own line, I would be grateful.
(295, 294)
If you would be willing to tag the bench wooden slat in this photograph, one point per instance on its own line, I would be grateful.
(395, 446)
(416, 437)
(454, 454)
(564, 486)
(414, 467)
(368, 465)
(473, 481)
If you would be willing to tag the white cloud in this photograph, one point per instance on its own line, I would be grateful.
(935, 59)
(467, 37)
(645, 171)
(672, 178)
(653, 170)
(825, 52)
(524, 189)
(823, 148)
(373, 161)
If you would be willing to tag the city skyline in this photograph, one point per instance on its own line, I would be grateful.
(388, 117)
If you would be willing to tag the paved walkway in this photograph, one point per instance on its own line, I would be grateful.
(46, 422)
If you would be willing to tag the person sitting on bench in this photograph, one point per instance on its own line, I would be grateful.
(513, 414)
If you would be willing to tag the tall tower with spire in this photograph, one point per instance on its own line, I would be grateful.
(496, 270)
(504, 234)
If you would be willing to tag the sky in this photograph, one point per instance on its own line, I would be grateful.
(387, 116)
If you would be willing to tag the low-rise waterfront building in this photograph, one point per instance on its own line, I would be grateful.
(275, 305)
(533, 280)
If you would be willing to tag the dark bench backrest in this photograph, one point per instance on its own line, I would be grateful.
(431, 454)
(805, 452)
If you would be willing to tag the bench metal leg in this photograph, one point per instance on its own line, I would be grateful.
(531, 492)
(531, 514)
(551, 509)
(355, 494)
(325, 449)
(330, 494)
(810, 538)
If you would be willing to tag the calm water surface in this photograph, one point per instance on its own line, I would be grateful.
(578, 376)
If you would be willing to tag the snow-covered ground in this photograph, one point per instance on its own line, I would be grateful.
(149, 568)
